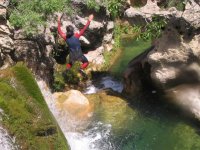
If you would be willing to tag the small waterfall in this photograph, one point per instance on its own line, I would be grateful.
(6, 142)
(83, 135)
(106, 82)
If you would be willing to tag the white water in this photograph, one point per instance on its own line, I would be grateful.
(106, 83)
(89, 135)
(6, 142)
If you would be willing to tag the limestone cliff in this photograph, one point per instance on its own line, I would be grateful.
(38, 51)
(175, 56)
(173, 63)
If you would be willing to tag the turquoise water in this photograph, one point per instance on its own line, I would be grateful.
(130, 49)
(147, 123)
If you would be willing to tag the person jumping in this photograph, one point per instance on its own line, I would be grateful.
(72, 40)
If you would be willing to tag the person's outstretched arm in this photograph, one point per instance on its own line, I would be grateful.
(85, 27)
(60, 32)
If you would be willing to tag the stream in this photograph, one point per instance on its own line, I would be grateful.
(147, 123)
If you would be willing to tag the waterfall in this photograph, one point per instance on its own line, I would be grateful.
(6, 142)
(89, 135)
(105, 83)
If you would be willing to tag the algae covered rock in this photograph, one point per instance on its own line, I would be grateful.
(26, 115)
(110, 108)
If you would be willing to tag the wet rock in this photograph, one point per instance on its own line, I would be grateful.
(136, 75)
(114, 109)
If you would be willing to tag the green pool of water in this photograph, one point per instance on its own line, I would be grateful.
(147, 123)
(130, 49)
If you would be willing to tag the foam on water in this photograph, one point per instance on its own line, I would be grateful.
(89, 135)
(106, 82)
(6, 142)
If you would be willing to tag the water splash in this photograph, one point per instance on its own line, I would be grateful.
(105, 83)
(81, 135)
(6, 142)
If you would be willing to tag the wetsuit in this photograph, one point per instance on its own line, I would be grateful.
(74, 46)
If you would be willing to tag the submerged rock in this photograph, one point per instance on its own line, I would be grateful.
(113, 109)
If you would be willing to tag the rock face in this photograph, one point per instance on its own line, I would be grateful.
(175, 55)
(144, 14)
(175, 59)
(6, 41)
(186, 96)
(74, 103)
(37, 52)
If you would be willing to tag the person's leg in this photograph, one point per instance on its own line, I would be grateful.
(85, 62)
(68, 66)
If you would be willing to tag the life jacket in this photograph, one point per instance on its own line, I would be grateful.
(73, 43)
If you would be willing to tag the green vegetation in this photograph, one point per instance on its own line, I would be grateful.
(114, 7)
(179, 4)
(71, 78)
(153, 29)
(26, 80)
(26, 115)
(150, 31)
(30, 14)
(124, 30)
(137, 39)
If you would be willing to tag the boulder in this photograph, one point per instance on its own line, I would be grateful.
(172, 65)
(74, 103)
(187, 97)
(172, 57)
(176, 49)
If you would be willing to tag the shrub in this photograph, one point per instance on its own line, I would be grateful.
(30, 14)
(153, 29)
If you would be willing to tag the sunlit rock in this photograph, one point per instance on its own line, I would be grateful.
(113, 110)
(186, 97)
(96, 56)
(73, 102)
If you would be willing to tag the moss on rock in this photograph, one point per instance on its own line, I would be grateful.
(26, 115)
